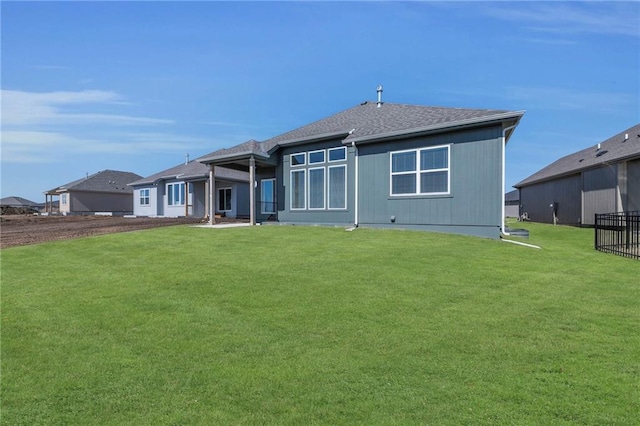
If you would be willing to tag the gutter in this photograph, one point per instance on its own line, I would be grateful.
(355, 222)
(503, 145)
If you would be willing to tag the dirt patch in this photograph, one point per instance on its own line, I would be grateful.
(19, 230)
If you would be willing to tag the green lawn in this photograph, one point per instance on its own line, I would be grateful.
(309, 325)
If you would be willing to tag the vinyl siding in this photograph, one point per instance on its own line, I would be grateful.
(474, 202)
(600, 192)
(566, 192)
(633, 185)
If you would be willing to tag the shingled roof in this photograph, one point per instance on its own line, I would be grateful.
(14, 201)
(111, 181)
(367, 123)
(192, 170)
(616, 148)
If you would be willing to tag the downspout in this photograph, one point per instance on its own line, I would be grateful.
(503, 225)
(355, 222)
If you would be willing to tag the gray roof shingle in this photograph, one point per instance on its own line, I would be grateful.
(366, 122)
(194, 169)
(614, 149)
(111, 181)
(17, 202)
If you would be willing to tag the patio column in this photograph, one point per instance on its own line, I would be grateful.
(252, 191)
(186, 199)
(212, 192)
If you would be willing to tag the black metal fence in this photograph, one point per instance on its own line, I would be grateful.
(618, 233)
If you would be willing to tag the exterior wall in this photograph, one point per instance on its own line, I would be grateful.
(239, 198)
(512, 210)
(473, 205)
(150, 209)
(198, 201)
(91, 202)
(324, 216)
(565, 192)
(633, 186)
(600, 192)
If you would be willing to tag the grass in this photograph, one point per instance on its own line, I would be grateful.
(304, 325)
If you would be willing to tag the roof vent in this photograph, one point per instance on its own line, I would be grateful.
(598, 148)
(379, 90)
(626, 137)
(186, 158)
(601, 153)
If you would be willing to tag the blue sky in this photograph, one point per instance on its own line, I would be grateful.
(134, 86)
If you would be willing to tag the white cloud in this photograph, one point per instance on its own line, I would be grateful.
(566, 99)
(31, 108)
(59, 126)
(617, 18)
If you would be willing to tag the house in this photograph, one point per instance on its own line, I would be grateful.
(512, 203)
(382, 165)
(599, 179)
(102, 192)
(12, 205)
(183, 191)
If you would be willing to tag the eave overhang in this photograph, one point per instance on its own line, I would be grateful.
(438, 128)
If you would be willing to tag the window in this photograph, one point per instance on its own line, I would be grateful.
(337, 187)
(224, 199)
(268, 196)
(298, 183)
(175, 194)
(337, 154)
(316, 188)
(144, 197)
(298, 159)
(421, 171)
(63, 199)
(316, 157)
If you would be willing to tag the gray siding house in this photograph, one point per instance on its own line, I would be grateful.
(183, 191)
(600, 179)
(102, 192)
(383, 165)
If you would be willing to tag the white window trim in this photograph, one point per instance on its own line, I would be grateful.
(170, 200)
(344, 166)
(304, 162)
(324, 188)
(342, 148)
(418, 171)
(262, 210)
(324, 157)
(144, 195)
(304, 185)
(230, 201)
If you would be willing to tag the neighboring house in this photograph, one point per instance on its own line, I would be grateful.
(600, 179)
(102, 192)
(183, 191)
(18, 202)
(512, 204)
(383, 165)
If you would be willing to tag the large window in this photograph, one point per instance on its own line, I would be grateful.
(319, 179)
(144, 197)
(298, 183)
(224, 199)
(420, 171)
(175, 194)
(63, 199)
(338, 187)
(316, 188)
(268, 196)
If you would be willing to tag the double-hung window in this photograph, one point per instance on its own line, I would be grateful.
(144, 197)
(175, 194)
(424, 171)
